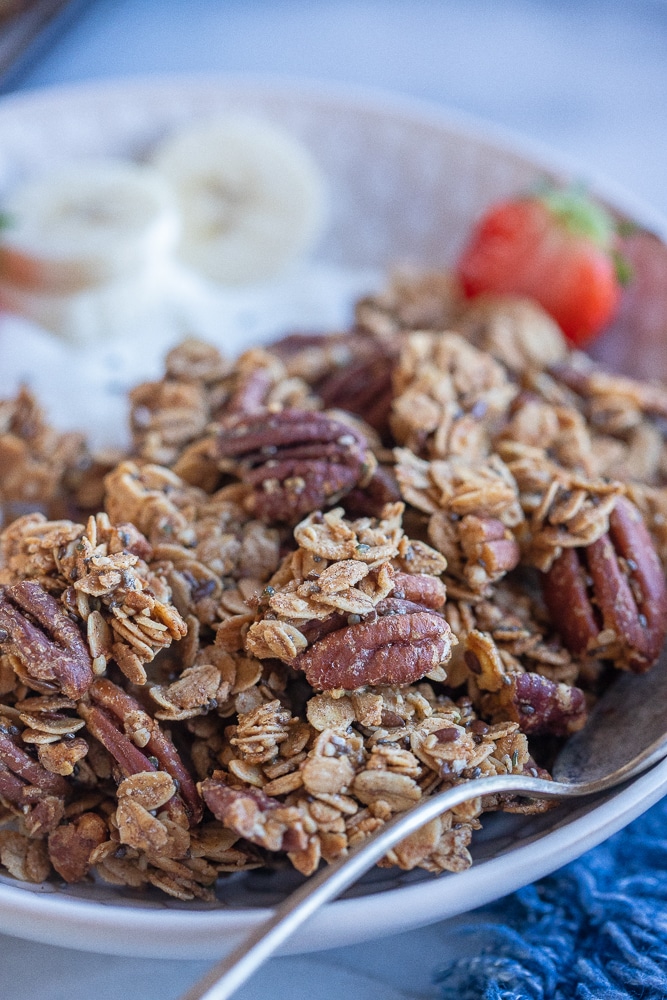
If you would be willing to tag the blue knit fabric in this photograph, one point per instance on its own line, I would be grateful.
(595, 930)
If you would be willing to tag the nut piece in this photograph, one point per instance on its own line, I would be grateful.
(479, 550)
(297, 461)
(348, 372)
(538, 705)
(420, 588)
(397, 648)
(71, 845)
(17, 767)
(53, 657)
(609, 599)
(258, 817)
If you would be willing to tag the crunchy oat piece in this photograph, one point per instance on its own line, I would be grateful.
(614, 402)
(486, 488)
(211, 552)
(39, 464)
(28, 549)
(636, 459)
(165, 417)
(260, 732)
(411, 301)
(139, 798)
(47, 719)
(563, 509)
(154, 499)
(62, 757)
(507, 633)
(473, 507)
(441, 845)
(100, 574)
(515, 331)
(370, 540)
(449, 397)
(195, 360)
(561, 431)
(296, 461)
(24, 858)
(197, 690)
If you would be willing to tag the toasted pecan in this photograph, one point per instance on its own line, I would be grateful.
(297, 461)
(46, 642)
(396, 648)
(610, 599)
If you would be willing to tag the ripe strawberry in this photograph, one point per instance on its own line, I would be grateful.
(558, 248)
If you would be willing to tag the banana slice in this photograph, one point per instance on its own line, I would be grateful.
(252, 198)
(88, 224)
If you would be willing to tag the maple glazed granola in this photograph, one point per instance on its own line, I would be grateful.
(331, 577)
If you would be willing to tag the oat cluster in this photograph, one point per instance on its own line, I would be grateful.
(331, 577)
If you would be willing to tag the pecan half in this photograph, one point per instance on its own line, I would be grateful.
(297, 461)
(610, 599)
(53, 657)
(363, 387)
(397, 648)
(348, 371)
(538, 705)
(108, 711)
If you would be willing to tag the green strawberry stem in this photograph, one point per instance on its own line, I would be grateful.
(585, 218)
(580, 215)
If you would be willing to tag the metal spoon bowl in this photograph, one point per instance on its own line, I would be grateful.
(625, 736)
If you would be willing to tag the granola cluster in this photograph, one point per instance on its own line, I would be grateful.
(331, 577)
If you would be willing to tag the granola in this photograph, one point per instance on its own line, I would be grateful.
(329, 578)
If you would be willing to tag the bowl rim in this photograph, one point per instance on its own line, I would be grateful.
(363, 97)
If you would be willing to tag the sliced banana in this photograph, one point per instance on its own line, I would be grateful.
(87, 224)
(252, 198)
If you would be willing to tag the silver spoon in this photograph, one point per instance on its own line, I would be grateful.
(625, 735)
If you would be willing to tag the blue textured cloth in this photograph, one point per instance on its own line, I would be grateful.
(595, 930)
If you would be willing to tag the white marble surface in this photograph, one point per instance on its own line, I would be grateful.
(587, 78)
(394, 968)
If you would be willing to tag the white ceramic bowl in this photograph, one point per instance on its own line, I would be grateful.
(406, 182)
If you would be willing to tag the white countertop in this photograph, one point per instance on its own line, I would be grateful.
(587, 78)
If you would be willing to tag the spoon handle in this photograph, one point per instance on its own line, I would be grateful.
(228, 975)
